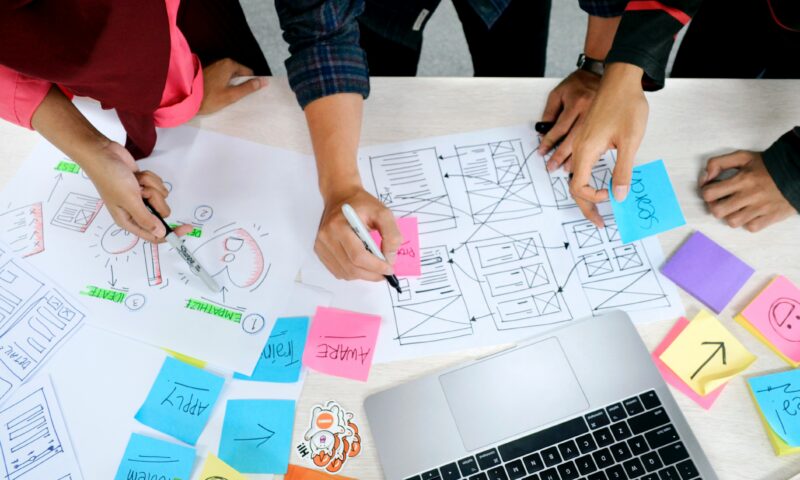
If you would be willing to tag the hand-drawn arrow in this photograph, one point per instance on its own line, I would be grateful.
(224, 290)
(263, 439)
(561, 287)
(113, 281)
(58, 178)
(720, 347)
(465, 272)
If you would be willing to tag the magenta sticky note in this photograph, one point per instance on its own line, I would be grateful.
(407, 262)
(342, 343)
(707, 271)
(775, 313)
(675, 380)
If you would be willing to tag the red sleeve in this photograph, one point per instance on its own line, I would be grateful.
(20, 96)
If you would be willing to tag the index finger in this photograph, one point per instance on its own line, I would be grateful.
(359, 256)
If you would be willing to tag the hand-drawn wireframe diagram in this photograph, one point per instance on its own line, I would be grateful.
(518, 282)
(410, 184)
(25, 227)
(497, 262)
(431, 307)
(613, 275)
(497, 186)
(601, 175)
(34, 441)
(252, 230)
(35, 317)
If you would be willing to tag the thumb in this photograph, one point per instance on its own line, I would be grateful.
(234, 93)
(621, 178)
(391, 239)
(145, 219)
(717, 165)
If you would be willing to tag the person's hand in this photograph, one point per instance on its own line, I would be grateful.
(122, 186)
(218, 92)
(749, 199)
(616, 119)
(342, 251)
(566, 106)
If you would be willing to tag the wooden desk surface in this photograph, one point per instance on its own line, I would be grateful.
(689, 121)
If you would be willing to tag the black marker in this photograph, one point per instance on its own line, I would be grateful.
(543, 127)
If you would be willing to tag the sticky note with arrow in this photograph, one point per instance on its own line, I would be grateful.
(706, 355)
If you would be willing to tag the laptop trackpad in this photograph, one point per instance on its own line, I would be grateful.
(513, 393)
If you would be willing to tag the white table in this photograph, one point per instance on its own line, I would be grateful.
(689, 121)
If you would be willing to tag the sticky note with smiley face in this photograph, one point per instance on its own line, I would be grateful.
(774, 318)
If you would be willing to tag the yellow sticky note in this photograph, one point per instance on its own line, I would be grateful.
(743, 322)
(706, 355)
(215, 468)
(187, 359)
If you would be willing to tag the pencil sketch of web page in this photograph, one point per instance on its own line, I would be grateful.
(147, 291)
(501, 260)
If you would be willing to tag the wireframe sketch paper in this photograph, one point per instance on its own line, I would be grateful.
(774, 318)
(181, 400)
(705, 355)
(776, 396)
(148, 457)
(34, 440)
(219, 185)
(36, 318)
(257, 435)
(282, 357)
(651, 206)
(707, 271)
(504, 251)
(342, 343)
(407, 263)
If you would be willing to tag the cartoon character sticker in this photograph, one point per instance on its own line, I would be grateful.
(332, 437)
(784, 316)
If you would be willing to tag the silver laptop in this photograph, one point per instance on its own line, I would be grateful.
(581, 402)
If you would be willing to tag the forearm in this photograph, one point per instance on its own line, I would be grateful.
(334, 123)
(63, 125)
(599, 36)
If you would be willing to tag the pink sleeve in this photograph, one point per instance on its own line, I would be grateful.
(183, 92)
(20, 96)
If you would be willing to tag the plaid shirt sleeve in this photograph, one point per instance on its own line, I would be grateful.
(325, 55)
(603, 8)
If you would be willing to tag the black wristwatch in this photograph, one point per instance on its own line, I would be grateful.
(591, 65)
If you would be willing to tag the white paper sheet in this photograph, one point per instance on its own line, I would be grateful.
(257, 208)
(36, 318)
(102, 379)
(34, 440)
(493, 228)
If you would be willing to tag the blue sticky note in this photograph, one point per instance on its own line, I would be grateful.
(282, 357)
(778, 398)
(181, 400)
(257, 435)
(147, 457)
(651, 206)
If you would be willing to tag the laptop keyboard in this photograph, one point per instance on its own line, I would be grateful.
(632, 439)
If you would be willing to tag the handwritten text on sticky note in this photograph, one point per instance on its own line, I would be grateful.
(651, 206)
(281, 358)
(407, 263)
(181, 400)
(257, 435)
(706, 355)
(778, 398)
(147, 457)
(342, 343)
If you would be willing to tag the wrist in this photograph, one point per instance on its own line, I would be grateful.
(334, 187)
(624, 74)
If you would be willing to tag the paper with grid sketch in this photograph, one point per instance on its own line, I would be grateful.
(253, 229)
(494, 228)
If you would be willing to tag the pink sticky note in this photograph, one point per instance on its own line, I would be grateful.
(407, 263)
(775, 313)
(675, 380)
(341, 343)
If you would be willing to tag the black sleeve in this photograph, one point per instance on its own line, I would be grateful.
(782, 160)
(646, 34)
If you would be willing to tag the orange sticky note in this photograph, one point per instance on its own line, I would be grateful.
(407, 263)
(774, 318)
(342, 343)
(301, 473)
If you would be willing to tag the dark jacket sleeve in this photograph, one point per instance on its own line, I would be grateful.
(782, 160)
(325, 55)
(603, 8)
(646, 34)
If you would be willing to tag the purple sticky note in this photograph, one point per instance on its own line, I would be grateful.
(707, 271)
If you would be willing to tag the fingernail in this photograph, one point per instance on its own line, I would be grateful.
(551, 165)
(263, 81)
(620, 192)
(160, 231)
(704, 178)
(389, 271)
